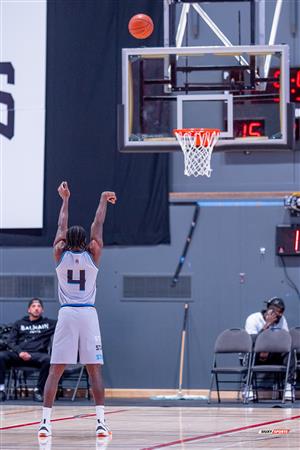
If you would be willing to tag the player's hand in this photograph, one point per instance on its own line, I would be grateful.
(25, 356)
(63, 190)
(109, 196)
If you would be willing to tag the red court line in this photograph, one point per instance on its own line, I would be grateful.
(220, 433)
(18, 412)
(27, 424)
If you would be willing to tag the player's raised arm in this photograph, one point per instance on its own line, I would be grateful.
(96, 242)
(62, 226)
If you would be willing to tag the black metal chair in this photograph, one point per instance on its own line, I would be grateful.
(236, 344)
(73, 376)
(295, 334)
(23, 377)
(275, 342)
(19, 381)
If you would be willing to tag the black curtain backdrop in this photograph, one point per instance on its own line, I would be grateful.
(84, 42)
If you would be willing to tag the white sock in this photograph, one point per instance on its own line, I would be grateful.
(100, 413)
(46, 414)
(2, 387)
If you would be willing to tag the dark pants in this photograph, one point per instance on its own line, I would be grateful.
(39, 360)
(278, 359)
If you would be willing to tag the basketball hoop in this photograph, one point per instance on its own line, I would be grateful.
(197, 145)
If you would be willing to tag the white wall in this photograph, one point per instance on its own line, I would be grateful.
(22, 91)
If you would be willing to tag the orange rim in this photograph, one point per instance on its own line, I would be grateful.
(193, 131)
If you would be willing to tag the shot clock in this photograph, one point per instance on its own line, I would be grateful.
(274, 86)
(249, 128)
(288, 240)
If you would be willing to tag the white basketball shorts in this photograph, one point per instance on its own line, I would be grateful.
(77, 337)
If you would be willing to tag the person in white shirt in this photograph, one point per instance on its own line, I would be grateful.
(271, 318)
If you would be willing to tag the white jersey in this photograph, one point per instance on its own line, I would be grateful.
(77, 274)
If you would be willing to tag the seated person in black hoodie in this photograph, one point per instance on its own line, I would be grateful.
(28, 345)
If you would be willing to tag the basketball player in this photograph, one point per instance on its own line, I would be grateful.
(77, 329)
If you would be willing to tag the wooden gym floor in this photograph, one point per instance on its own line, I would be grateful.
(141, 428)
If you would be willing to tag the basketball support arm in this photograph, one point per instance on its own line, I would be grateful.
(213, 26)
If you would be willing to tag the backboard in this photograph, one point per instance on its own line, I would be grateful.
(242, 90)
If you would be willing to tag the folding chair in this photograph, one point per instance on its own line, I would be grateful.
(271, 341)
(18, 380)
(73, 375)
(237, 343)
(295, 334)
(19, 376)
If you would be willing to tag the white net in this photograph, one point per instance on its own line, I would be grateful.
(197, 146)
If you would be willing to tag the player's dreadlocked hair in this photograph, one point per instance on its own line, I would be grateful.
(76, 238)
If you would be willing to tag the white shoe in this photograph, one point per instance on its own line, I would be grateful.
(249, 396)
(288, 392)
(44, 429)
(45, 443)
(102, 430)
(103, 442)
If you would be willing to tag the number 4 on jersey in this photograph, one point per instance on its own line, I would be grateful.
(81, 280)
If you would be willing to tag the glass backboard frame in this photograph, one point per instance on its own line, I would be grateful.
(126, 144)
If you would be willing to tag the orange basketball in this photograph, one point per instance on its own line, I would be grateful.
(140, 26)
